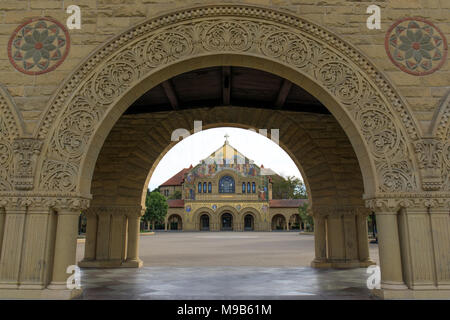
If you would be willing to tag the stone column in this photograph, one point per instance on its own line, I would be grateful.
(389, 250)
(91, 236)
(11, 251)
(65, 246)
(40, 228)
(440, 226)
(363, 239)
(336, 244)
(320, 242)
(134, 219)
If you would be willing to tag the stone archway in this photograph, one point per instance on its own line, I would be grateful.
(279, 222)
(174, 222)
(391, 152)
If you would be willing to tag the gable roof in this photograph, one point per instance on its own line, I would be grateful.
(177, 179)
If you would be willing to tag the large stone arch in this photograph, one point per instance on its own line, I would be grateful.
(378, 123)
(336, 73)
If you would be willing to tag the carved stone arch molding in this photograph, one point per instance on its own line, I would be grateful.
(437, 156)
(372, 113)
(18, 155)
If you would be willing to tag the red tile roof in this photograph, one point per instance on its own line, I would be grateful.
(286, 203)
(177, 179)
(176, 203)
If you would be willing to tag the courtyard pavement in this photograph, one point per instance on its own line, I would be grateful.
(225, 265)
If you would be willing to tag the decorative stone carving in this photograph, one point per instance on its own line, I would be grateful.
(8, 131)
(429, 153)
(73, 203)
(26, 152)
(395, 203)
(366, 96)
(441, 130)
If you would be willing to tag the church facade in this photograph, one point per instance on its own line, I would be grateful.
(228, 192)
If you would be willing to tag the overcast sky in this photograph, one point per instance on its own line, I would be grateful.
(198, 146)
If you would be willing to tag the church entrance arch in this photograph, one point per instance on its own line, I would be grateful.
(249, 222)
(226, 222)
(204, 222)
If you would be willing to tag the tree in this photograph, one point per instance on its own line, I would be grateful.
(156, 207)
(289, 188)
(306, 218)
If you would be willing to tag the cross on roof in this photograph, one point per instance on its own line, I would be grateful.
(226, 136)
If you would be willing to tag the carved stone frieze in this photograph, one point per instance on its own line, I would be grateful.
(26, 152)
(377, 112)
(429, 154)
(56, 203)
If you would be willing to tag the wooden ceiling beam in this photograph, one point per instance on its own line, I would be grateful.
(226, 85)
(170, 93)
(283, 93)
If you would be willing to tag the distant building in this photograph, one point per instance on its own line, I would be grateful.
(228, 192)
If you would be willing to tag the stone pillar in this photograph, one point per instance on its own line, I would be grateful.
(65, 247)
(11, 252)
(350, 238)
(91, 236)
(134, 219)
(107, 243)
(440, 226)
(389, 250)
(38, 247)
(336, 244)
(363, 239)
(320, 242)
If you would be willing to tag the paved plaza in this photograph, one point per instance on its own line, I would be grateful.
(225, 265)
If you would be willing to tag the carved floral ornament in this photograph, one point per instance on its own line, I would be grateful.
(435, 203)
(46, 202)
(365, 95)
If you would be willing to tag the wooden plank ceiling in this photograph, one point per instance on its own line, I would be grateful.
(223, 86)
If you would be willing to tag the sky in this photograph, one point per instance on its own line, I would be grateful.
(200, 145)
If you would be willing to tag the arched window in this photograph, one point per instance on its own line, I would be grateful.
(226, 184)
(199, 187)
(209, 187)
(253, 187)
(243, 187)
(204, 187)
(248, 187)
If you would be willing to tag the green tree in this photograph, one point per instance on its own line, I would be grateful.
(289, 188)
(306, 218)
(157, 207)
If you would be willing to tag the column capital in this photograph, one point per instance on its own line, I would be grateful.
(417, 201)
(339, 211)
(129, 211)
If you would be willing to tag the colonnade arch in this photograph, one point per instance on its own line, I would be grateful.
(388, 153)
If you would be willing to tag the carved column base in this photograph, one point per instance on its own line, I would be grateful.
(411, 294)
(100, 263)
(135, 263)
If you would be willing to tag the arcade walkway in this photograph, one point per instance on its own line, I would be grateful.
(226, 265)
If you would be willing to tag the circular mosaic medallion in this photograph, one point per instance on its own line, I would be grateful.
(38, 46)
(416, 46)
(238, 207)
(214, 207)
(188, 208)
